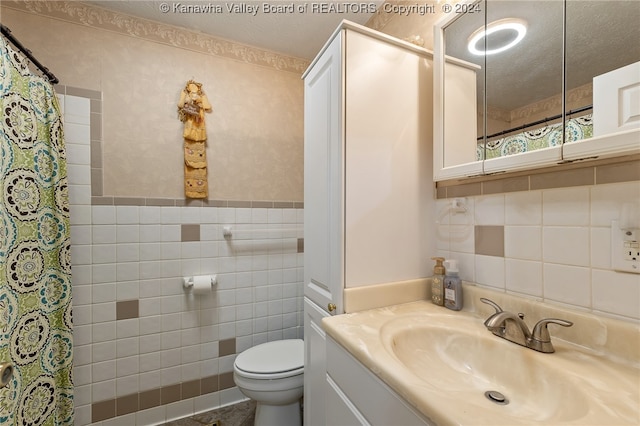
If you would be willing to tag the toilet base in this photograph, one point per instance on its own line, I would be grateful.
(278, 415)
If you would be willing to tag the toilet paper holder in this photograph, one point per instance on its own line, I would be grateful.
(187, 282)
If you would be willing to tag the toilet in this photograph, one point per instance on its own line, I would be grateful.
(272, 374)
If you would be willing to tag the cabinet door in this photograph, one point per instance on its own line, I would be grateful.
(388, 167)
(340, 411)
(357, 393)
(323, 179)
(315, 365)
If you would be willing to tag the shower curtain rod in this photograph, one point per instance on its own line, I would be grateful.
(7, 33)
(535, 123)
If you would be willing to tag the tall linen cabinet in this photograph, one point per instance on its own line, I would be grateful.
(368, 188)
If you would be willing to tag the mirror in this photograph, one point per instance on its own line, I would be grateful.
(522, 91)
(524, 82)
(601, 37)
(463, 94)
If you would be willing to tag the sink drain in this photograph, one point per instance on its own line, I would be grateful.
(496, 397)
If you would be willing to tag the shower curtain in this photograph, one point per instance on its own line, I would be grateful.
(35, 259)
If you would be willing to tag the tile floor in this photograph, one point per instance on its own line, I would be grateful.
(240, 414)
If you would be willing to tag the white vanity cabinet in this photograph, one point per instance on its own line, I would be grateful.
(355, 396)
(368, 191)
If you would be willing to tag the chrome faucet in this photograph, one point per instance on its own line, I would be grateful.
(512, 327)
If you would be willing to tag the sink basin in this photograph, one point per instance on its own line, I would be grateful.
(442, 362)
(455, 355)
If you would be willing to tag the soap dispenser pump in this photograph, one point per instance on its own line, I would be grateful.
(437, 282)
(452, 286)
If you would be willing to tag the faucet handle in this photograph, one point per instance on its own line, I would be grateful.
(492, 304)
(540, 331)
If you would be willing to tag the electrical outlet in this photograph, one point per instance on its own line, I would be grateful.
(631, 250)
(625, 249)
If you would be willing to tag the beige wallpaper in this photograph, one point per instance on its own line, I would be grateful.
(255, 132)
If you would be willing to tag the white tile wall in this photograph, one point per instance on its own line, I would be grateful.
(135, 252)
(556, 246)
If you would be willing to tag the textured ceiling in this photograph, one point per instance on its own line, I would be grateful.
(294, 32)
(601, 36)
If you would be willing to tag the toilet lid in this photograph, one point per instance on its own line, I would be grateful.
(272, 357)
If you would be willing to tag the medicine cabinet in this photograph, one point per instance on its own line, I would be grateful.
(526, 84)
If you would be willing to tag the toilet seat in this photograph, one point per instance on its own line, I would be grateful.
(272, 360)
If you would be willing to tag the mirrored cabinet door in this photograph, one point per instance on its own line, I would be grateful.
(602, 79)
(524, 83)
(459, 95)
(535, 84)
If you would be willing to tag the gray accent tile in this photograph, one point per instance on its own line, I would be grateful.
(96, 127)
(127, 404)
(190, 202)
(300, 245)
(620, 172)
(159, 202)
(489, 240)
(85, 93)
(101, 201)
(464, 190)
(169, 394)
(103, 410)
(209, 384)
(140, 201)
(563, 179)
(262, 204)
(149, 399)
(283, 204)
(189, 232)
(127, 309)
(226, 380)
(227, 347)
(513, 184)
(96, 182)
(239, 204)
(128, 201)
(96, 106)
(190, 389)
(215, 203)
(96, 157)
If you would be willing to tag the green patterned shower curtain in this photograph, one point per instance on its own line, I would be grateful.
(35, 259)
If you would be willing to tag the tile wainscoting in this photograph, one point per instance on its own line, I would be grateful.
(545, 234)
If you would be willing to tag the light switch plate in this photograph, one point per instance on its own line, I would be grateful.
(625, 251)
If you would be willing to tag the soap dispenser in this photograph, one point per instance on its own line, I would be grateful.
(452, 286)
(437, 282)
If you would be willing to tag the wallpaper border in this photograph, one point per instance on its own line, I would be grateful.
(97, 17)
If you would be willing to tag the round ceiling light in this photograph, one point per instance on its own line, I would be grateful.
(508, 25)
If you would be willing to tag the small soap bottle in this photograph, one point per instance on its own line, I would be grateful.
(437, 282)
(452, 286)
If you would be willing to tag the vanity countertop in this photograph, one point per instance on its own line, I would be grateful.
(606, 375)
